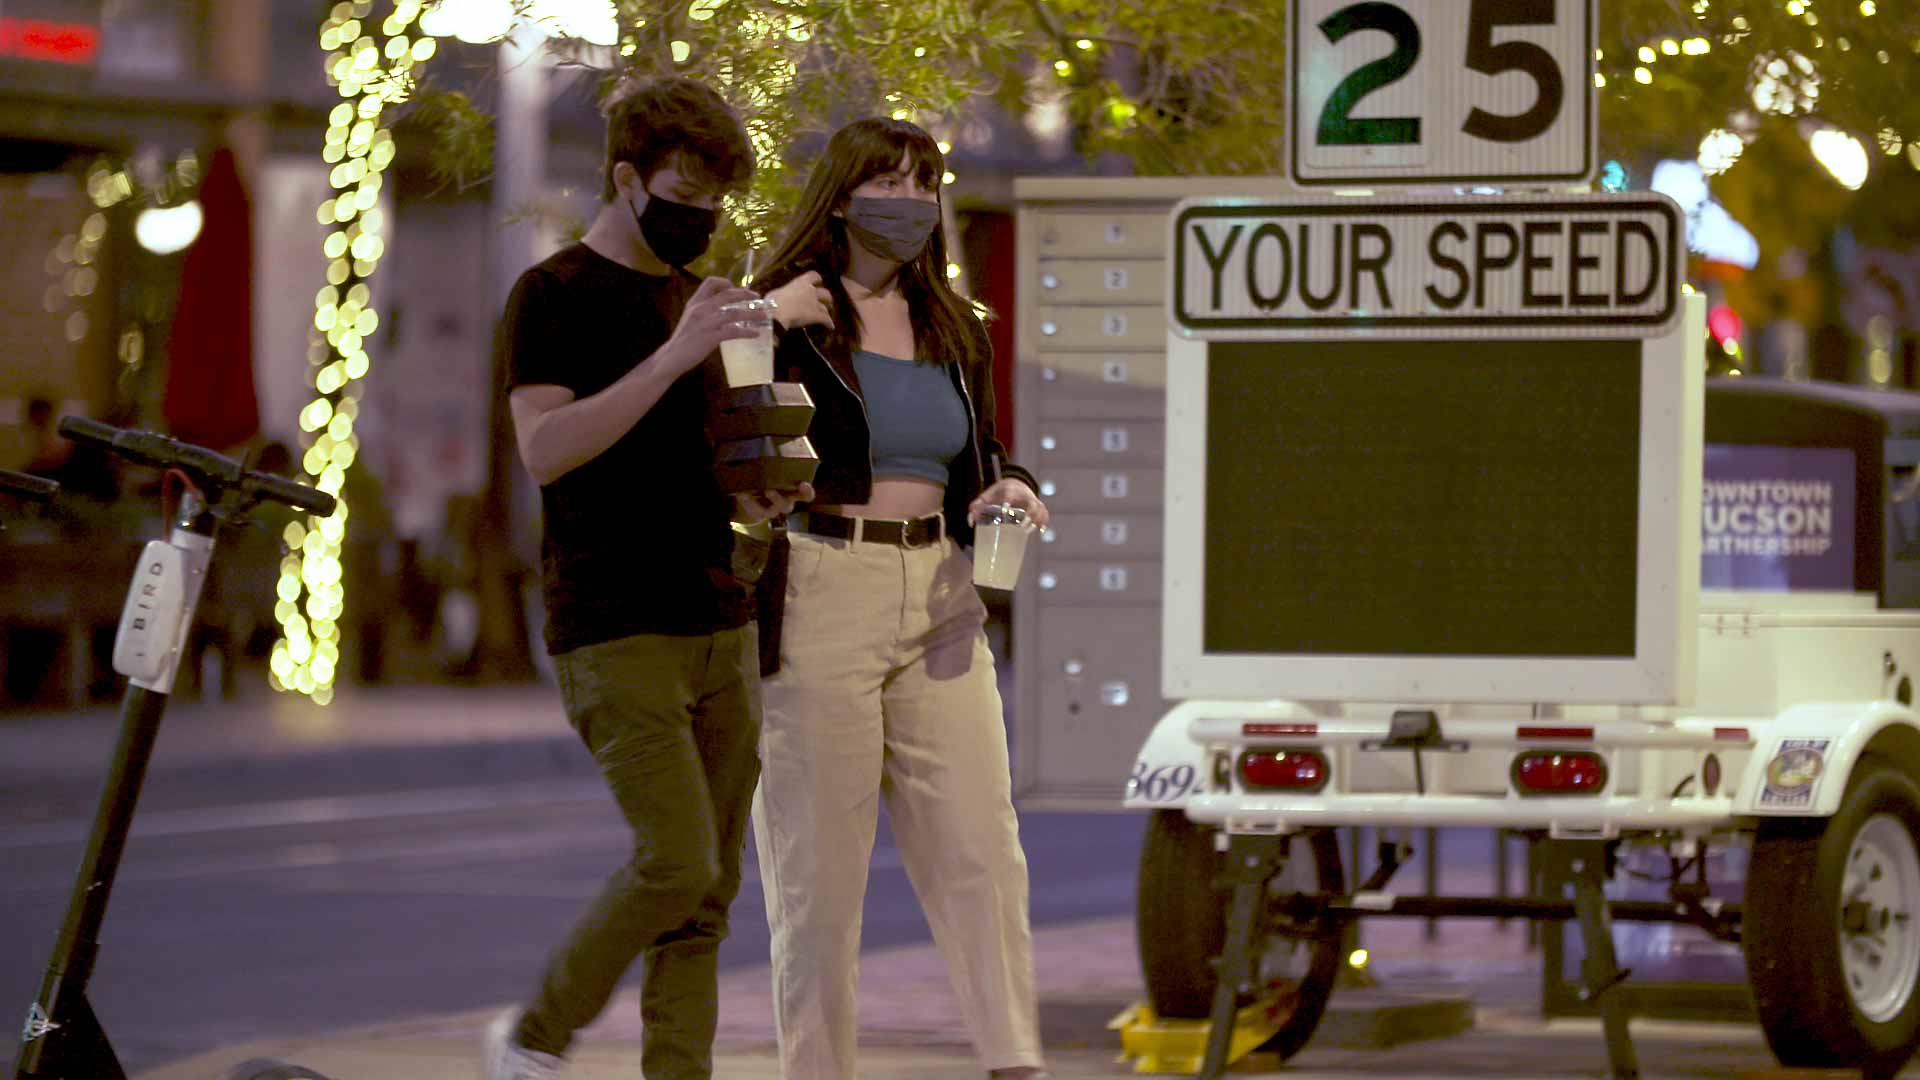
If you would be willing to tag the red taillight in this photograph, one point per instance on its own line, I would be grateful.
(1283, 770)
(1280, 729)
(1559, 772)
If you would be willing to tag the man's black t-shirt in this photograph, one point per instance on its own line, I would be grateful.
(637, 540)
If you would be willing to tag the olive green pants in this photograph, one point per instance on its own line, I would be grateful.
(674, 723)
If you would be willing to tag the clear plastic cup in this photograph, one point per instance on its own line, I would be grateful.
(749, 361)
(999, 546)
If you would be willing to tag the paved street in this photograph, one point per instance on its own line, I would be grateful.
(235, 921)
(360, 888)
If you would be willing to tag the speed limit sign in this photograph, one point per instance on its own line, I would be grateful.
(1442, 91)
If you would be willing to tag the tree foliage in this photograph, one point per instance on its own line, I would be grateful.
(1196, 87)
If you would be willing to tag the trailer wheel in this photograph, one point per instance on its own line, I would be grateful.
(1832, 928)
(1182, 924)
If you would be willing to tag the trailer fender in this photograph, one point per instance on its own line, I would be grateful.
(1805, 757)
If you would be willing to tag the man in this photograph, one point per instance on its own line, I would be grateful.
(648, 627)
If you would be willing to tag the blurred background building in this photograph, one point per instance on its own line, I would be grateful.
(161, 164)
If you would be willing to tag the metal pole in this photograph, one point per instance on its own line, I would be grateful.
(68, 1032)
(1432, 862)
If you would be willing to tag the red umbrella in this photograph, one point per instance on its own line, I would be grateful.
(210, 395)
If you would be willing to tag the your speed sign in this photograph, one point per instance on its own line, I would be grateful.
(1442, 91)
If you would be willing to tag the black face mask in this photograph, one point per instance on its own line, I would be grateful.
(675, 232)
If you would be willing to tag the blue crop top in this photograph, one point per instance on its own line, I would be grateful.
(919, 423)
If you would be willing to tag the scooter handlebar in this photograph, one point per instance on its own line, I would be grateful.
(28, 486)
(291, 493)
(205, 466)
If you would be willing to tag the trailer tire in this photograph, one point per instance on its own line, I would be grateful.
(1182, 925)
(1832, 928)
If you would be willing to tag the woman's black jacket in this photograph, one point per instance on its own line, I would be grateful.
(842, 439)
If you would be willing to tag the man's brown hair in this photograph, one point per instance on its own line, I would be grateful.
(673, 121)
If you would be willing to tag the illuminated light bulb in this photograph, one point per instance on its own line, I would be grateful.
(357, 365)
(681, 50)
(1646, 55)
(1062, 68)
(1670, 47)
(945, 147)
(1599, 80)
(1642, 76)
(1842, 155)
(947, 177)
(1084, 44)
(919, 51)
(953, 270)
(164, 231)
(1719, 149)
(1868, 8)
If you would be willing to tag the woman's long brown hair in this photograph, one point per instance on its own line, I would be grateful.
(945, 328)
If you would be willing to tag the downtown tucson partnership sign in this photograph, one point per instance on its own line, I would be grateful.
(1591, 266)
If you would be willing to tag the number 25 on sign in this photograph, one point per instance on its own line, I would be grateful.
(1442, 91)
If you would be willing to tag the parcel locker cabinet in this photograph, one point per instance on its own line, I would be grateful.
(1091, 379)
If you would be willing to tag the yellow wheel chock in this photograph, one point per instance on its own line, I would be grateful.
(1158, 1045)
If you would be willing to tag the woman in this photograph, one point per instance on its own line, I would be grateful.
(885, 685)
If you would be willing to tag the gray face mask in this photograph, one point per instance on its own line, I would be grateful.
(892, 228)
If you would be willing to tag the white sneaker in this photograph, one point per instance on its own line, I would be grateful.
(508, 1060)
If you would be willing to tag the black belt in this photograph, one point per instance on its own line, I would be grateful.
(920, 532)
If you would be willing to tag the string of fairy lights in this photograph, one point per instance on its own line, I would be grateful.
(1783, 84)
(371, 71)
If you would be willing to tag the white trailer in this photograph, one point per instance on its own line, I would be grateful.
(1556, 669)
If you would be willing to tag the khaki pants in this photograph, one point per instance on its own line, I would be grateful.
(886, 688)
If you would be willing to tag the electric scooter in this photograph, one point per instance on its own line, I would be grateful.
(28, 487)
(63, 1039)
